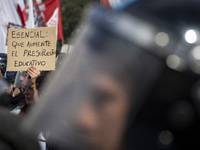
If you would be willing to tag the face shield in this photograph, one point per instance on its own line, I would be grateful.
(20, 79)
(104, 84)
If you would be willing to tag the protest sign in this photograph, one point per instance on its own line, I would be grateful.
(31, 47)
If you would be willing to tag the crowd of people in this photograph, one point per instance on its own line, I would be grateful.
(131, 82)
(20, 96)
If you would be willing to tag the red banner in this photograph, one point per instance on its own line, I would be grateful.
(50, 12)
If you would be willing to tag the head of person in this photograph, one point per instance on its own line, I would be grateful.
(112, 76)
(28, 91)
(39, 82)
(23, 76)
(117, 92)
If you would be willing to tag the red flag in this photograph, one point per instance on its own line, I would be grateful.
(50, 11)
(21, 11)
(40, 15)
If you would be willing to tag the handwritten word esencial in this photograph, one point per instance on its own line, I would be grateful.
(27, 34)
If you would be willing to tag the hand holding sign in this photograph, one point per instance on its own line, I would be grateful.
(33, 72)
(31, 47)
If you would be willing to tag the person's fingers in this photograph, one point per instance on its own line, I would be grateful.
(34, 67)
(31, 73)
(31, 69)
(34, 70)
(36, 73)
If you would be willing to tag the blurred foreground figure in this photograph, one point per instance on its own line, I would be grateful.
(132, 82)
(12, 134)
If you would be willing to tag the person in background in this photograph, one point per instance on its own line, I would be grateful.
(28, 82)
(15, 95)
(39, 86)
(10, 78)
(28, 92)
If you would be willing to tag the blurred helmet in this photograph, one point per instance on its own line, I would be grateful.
(151, 49)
